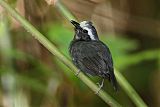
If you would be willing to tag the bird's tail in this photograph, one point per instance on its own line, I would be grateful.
(113, 81)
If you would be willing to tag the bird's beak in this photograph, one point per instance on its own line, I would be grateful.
(76, 24)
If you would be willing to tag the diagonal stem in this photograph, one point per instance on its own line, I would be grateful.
(47, 44)
(121, 79)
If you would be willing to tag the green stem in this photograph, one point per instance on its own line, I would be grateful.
(47, 44)
(122, 81)
(129, 90)
(66, 13)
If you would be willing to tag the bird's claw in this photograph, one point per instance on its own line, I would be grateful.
(97, 92)
(77, 73)
(100, 86)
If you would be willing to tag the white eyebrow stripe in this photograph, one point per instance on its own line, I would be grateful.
(90, 33)
(83, 24)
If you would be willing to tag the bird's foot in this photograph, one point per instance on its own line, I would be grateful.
(100, 86)
(77, 73)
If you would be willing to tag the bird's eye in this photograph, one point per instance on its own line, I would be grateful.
(85, 31)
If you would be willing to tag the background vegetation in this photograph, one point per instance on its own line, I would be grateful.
(32, 77)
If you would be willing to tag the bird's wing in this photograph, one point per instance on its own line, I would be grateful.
(95, 59)
(95, 56)
(108, 60)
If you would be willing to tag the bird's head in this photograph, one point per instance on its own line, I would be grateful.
(85, 31)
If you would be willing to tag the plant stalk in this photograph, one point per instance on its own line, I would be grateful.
(48, 45)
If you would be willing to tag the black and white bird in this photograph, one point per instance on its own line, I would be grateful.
(90, 55)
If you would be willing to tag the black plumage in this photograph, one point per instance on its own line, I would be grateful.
(91, 55)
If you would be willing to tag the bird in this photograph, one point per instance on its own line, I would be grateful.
(90, 55)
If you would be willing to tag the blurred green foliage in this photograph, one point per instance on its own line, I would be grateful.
(45, 84)
(36, 77)
(121, 48)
